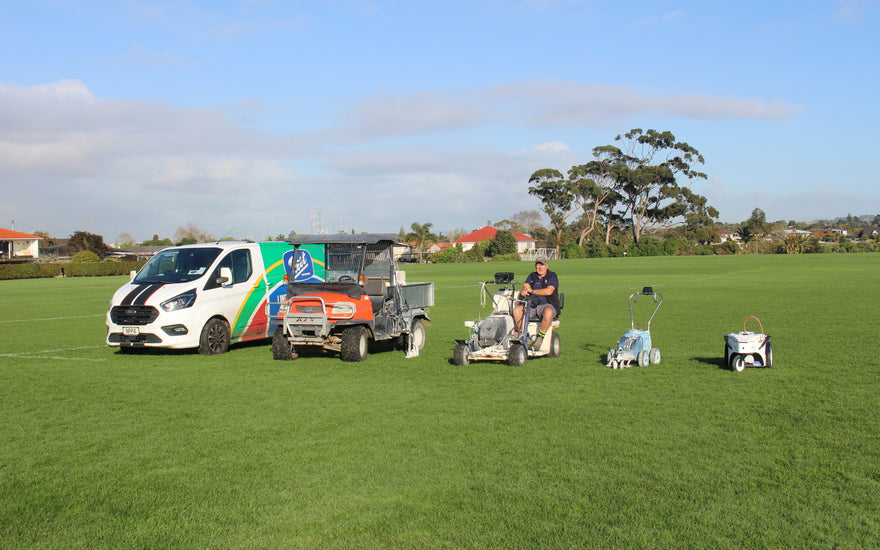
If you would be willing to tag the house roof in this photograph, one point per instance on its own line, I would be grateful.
(10, 235)
(486, 233)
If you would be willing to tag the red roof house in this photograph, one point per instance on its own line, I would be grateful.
(523, 242)
(15, 245)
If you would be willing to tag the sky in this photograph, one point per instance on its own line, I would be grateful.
(255, 118)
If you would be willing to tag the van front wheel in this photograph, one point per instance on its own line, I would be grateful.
(215, 337)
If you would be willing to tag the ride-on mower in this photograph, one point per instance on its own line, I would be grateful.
(635, 344)
(748, 349)
(495, 338)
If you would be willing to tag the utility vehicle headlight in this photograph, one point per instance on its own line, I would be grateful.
(181, 301)
(342, 309)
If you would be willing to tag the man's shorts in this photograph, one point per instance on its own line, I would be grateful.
(537, 312)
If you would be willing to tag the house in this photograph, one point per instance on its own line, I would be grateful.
(524, 243)
(436, 248)
(17, 246)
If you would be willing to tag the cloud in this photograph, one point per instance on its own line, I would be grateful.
(145, 167)
(852, 11)
(541, 104)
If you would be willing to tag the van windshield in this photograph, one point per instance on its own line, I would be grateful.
(178, 265)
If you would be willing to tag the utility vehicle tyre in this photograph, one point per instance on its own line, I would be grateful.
(643, 359)
(417, 334)
(215, 337)
(517, 355)
(654, 356)
(354, 344)
(738, 363)
(460, 355)
(555, 345)
(282, 349)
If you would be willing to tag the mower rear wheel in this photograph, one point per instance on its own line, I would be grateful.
(354, 344)
(654, 356)
(643, 358)
(517, 355)
(555, 345)
(460, 355)
(769, 351)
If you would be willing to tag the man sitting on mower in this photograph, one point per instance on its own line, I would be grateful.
(541, 289)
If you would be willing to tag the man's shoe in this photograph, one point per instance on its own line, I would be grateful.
(536, 344)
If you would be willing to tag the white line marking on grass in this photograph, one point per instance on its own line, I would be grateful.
(57, 358)
(48, 319)
(30, 354)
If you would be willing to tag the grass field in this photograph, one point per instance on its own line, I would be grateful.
(177, 450)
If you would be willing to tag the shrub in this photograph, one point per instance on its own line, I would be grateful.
(85, 256)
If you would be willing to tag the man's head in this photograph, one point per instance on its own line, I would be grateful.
(541, 266)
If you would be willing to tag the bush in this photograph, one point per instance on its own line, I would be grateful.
(85, 256)
(596, 249)
(515, 257)
(88, 269)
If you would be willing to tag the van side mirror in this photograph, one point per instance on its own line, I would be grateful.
(132, 274)
(225, 278)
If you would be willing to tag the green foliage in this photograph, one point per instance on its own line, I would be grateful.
(88, 269)
(85, 241)
(156, 241)
(515, 257)
(504, 242)
(84, 257)
(572, 251)
(596, 249)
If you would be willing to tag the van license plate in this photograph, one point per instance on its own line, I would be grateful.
(131, 331)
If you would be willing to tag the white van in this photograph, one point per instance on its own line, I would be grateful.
(204, 296)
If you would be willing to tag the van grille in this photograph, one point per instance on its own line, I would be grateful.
(133, 315)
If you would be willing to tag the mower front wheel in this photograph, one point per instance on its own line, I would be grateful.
(737, 363)
(517, 355)
(460, 355)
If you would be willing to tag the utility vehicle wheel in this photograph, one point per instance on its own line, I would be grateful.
(281, 347)
(654, 356)
(555, 345)
(517, 355)
(417, 334)
(610, 357)
(214, 338)
(354, 344)
(738, 363)
(644, 361)
(769, 358)
(460, 355)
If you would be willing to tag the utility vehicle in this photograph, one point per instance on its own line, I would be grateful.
(345, 291)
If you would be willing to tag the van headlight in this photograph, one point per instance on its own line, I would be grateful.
(181, 301)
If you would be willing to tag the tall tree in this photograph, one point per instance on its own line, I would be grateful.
(83, 240)
(754, 228)
(421, 234)
(595, 184)
(646, 172)
(557, 193)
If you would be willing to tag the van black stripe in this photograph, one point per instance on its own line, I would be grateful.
(139, 295)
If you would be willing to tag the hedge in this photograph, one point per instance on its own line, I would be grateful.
(40, 270)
